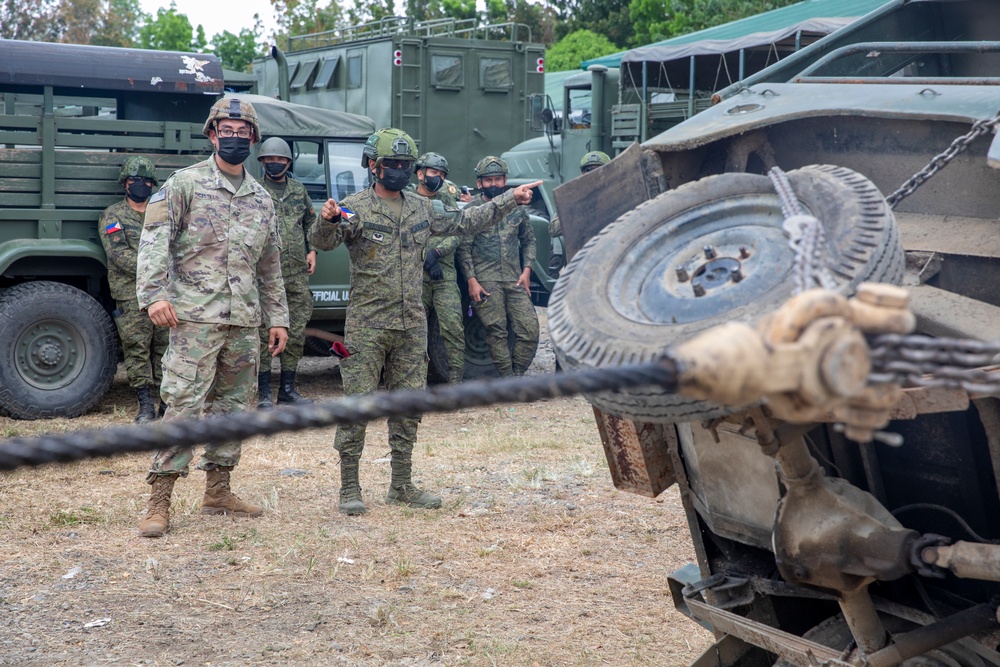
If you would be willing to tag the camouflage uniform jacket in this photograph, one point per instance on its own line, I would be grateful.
(387, 254)
(501, 252)
(295, 214)
(120, 227)
(446, 245)
(205, 248)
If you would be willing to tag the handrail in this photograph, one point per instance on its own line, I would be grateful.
(393, 25)
(898, 47)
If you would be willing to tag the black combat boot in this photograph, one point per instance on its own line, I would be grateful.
(147, 412)
(264, 391)
(286, 390)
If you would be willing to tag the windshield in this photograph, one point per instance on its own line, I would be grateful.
(344, 169)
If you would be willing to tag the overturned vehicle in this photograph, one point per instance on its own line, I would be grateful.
(874, 543)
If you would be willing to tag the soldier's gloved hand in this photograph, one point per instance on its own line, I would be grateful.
(431, 265)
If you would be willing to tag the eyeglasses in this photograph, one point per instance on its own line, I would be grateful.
(229, 133)
(589, 168)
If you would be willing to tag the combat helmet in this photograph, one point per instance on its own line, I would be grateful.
(491, 165)
(432, 161)
(274, 147)
(593, 160)
(389, 143)
(137, 165)
(235, 109)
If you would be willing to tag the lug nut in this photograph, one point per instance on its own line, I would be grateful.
(682, 274)
(736, 275)
(699, 290)
(709, 252)
(744, 253)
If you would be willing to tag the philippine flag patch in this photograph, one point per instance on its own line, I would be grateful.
(346, 213)
(113, 227)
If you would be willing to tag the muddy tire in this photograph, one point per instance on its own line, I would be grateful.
(60, 351)
(620, 301)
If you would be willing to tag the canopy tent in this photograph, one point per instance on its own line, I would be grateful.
(745, 46)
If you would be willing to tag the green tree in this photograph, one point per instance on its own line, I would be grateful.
(571, 50)
(35, 20)
(171, 31)
(656, 20)
(237, 51)
(610, 18)
(120, 24)
(302, 17)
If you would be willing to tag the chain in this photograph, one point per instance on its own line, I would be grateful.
(938, 162)
(922, 361)
(806, 238)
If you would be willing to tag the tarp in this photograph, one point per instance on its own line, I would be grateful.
(776, 20)
(299, 120)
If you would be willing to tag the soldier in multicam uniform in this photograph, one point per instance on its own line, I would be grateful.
(497, 264)
(295, 214)
(119, 227)
(588, 163)
(386, 232)
(440, 286)
(208, 267)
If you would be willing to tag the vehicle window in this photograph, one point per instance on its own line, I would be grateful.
(447, 71)
(307, 168)
(495, 74)
(354, 71)
(343, 163)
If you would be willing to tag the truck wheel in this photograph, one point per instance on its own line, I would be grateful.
(437, 357)
(59, 354)
(834, 633)
(622, 301)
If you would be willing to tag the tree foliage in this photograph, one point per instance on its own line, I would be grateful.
(238, 51)
(171, 31)
(571, 50)
(29, 19)
(656, 20)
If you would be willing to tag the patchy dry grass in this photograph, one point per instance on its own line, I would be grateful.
(535, 559)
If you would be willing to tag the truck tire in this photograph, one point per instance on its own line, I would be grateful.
(59, 354)
(620, 301)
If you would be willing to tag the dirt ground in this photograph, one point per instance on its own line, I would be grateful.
(535, 558)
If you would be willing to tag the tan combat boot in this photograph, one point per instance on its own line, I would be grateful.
(220, 500)
(351, 502)
(402, 491)
(157, 520)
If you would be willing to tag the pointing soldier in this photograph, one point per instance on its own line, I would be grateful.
(209, 269)
(386, 232)
(295, 214)
(440, 286)
(143, 344)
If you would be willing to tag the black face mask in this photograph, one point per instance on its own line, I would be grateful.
(433, 183)
(138, 191)
(275, 169)
(234, 150)
(492, 191)
(394, 180)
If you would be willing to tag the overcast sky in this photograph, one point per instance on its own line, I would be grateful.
(217, 17)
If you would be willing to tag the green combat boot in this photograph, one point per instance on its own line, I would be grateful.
(219, 499)
(351, 503)
(157, 519)
(402, 491)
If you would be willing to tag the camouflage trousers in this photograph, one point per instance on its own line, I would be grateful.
(511, 304)
(203, 359)
(403, 355)
(143, 345)
(443, 297)
(300, 308)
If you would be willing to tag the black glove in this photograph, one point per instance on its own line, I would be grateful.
(431, 265)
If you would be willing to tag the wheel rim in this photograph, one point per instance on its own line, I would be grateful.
(50, 354)
(707, 261)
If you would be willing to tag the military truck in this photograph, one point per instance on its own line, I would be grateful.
(456, 87)
(70, 115)
(838, 566)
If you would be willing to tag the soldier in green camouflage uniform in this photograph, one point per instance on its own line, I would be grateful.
(119, 227)
(209, 268)
(295, 215)
(497, 264)
(386, 233)
(440, 278)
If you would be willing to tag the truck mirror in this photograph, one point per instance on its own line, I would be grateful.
(547, 117)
